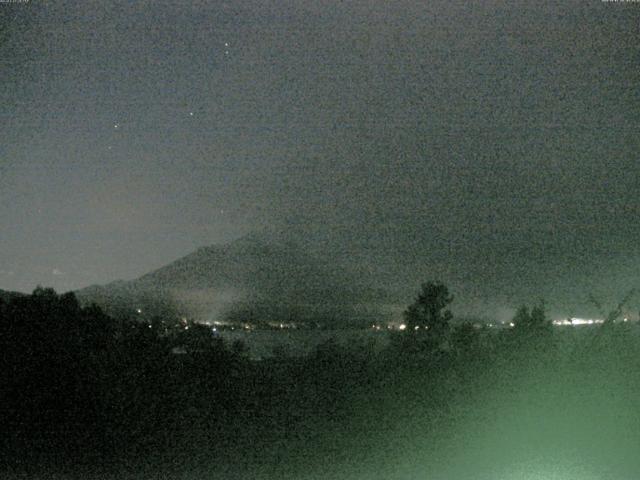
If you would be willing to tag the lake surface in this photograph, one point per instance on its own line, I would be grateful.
(299, 342)
(292, 342)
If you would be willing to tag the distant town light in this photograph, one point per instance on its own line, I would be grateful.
(578, 321)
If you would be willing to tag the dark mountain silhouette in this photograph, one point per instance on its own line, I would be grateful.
(255, 278)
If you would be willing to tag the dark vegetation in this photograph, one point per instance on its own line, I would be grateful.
(85, 395)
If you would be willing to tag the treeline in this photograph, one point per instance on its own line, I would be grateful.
(82, 392)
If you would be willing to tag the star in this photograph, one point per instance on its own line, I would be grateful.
(116, 125)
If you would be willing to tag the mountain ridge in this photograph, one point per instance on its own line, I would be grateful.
(255, 275)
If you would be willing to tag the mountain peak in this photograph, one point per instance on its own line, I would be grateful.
(253, 236)
(271, 270)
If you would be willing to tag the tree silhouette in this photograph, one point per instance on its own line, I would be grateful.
(429, 310)
(613, 314)
(531, 328)
(522, 318)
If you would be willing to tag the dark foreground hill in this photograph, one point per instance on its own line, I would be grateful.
(87, 397)
(250, 279)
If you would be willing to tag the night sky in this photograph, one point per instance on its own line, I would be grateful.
(490, 145)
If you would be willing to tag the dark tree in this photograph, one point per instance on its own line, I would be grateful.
(534, 320)
(522, 318)
(429, 310)
(614, 314)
